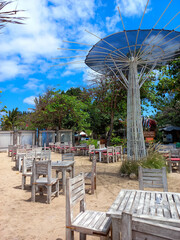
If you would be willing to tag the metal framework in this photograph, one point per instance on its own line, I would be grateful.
(127, 55)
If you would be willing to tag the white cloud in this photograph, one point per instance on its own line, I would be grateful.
(29, 100)
(34, 84)
(131, 7)
(10, 68)
(47, 24)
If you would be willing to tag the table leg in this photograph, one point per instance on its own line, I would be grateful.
(64, 181)
(100, 156)
(73, 173)
(115, 229)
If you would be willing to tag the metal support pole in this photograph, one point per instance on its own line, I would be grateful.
(135, 138)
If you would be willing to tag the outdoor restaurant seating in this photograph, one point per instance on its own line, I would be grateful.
(42, 177)
(90, 177)
(26, 170)
(174, 159)
(152, 178)
(68, 157)
(118, 153)
(109, 155)
(10, 148)
(136, 228)
(94, 223)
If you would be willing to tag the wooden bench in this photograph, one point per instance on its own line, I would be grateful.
(87, 222)
(152, 178)
(135, 228)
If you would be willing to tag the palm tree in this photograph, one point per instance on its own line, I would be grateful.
(10, 121)
(8, 16)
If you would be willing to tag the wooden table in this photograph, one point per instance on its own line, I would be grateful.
(99, 150)
(163, 207)
(63, 166)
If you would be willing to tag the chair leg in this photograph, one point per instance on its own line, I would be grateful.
(82, 236)
(23, 182)
(33, 192)
(57, 188)
(49, 194)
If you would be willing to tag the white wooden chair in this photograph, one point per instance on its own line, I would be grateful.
(91, 152)
(152, 178)
(26, 170)
(136, 228)
(87, 222)
(118, 153)
(43, 168)
(91, 176)
(109, 155)
(174, 159)
(45, 155)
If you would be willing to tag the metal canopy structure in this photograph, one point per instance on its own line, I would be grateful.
(130, 56)
(127, 55)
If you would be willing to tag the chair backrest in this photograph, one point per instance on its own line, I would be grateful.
(152, 178)
(110, 150)
(174, 153)
(41, 168)
(134, 228)
(75, 193)
(45, 155)
(118, 149)
(102, 146)
(21, 150)
(91, 147)
(68, 157)
(27, 164)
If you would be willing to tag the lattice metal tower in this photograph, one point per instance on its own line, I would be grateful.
(128, 55)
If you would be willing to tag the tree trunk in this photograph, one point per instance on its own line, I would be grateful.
(110, 130)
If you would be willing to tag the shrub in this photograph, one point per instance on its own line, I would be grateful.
(116, 141)
(91, 142)
(129, 167)
(153, 160)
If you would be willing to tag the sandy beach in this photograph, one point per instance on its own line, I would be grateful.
(21, 219)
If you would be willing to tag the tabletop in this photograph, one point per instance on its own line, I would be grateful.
(63, 164)
(163, 206)
(99, 149)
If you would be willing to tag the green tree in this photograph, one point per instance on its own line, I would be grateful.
(10, 120)
(168, 94)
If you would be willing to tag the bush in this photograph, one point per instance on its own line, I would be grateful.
(153, 160)
(91, 142)
(116, 141)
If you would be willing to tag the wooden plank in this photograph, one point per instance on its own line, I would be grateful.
(136, 202)
(163, 231)
(166, 210)
(173, 210)
(146, 203)
(177, 201)
(148, 170)
(114, 207)
(126, 226)
(152, 204)
(140, 206)
(124, 201)
(130, 202)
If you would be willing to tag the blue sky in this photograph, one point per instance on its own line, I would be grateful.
(27, 51)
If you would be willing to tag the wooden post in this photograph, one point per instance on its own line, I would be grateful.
(140, 173)
(126, 226)
(164, 179)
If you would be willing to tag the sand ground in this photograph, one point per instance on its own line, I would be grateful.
(20, 219)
